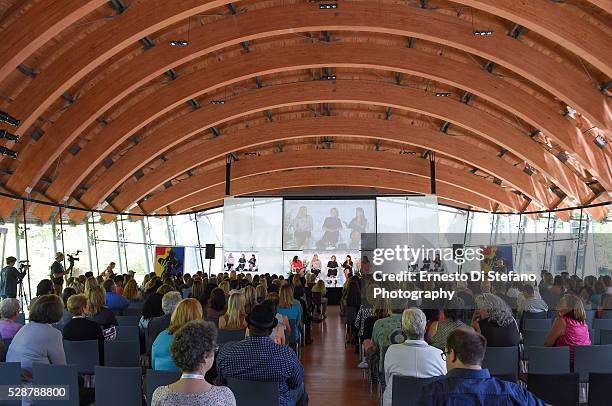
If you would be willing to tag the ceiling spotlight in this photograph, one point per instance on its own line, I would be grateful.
(179, 43)
(7, 118)
(328, 6)
(7, 135)
(563, 156)
(328, 77)
(217, 101)
(8, 152)
(528, 170)
(443, 94)
(600, 141)
(483, 33)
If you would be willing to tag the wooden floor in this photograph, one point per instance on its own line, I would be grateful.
(331, 373)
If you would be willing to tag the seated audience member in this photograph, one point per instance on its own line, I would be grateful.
(81, 329)
(234, 317)
(38, 341)
(119, 284)
(152, 306)
(158, 324)
(278, 334)
(414, 357)
(197, 288)
(216, 306)
(9, 311)
(187, 310)
(493, 319)
(44, 287)
(453, 310)
(569, 328)
(193, 352)
(131, 291)
(114, 301)
(290, 307)
(258, 358)
(96, 309)
(66, 294)
(467, 383)
(381, 332)
(250, 298)
(527, 302)
(320, 288)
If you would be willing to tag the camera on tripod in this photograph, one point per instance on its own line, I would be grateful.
(74, 257)
(25, 264)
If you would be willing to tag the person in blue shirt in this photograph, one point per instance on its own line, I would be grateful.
(258, 358)
(161, 358)
(114, 301)
(467, 383)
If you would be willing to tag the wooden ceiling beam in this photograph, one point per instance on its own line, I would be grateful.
(557, 23)
(392, 131)
(570, 86)
(331, 177)
(273, 163)
(39, 24)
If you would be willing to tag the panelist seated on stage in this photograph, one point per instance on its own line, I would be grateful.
(332, 267)
(297, 266)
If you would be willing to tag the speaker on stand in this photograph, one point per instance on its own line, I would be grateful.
(209, 254)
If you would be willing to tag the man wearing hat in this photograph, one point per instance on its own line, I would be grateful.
(10, 278)
(258, 358)
(58, 272)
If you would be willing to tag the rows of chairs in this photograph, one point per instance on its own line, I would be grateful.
(123, 386)
(559, 389)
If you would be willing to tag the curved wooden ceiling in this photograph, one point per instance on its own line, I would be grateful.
(110, 119)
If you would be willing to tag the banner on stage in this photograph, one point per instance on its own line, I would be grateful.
(497, 258)
(169, 260)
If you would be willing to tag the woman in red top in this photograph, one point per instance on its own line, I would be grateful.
(297, 266)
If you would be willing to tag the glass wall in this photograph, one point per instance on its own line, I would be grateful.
(254, 226)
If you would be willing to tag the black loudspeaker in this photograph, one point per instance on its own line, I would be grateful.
(210, 251)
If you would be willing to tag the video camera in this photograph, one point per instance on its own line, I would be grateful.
(25, 264)
(74, 257)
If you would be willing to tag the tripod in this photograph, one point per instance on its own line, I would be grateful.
(23, 296)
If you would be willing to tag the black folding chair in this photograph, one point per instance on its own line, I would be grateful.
(555, 389)
(407, 389)
(52, 375)
(155, 379)
(254, 393)
(599, 389)
(118, 386)
(10, 374)
(502, 361)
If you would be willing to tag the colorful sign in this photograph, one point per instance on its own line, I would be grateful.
(169, 260)
(497, 259)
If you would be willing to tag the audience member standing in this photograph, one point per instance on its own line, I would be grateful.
(10, 277)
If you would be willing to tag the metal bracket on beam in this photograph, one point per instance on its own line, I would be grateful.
(388, 113)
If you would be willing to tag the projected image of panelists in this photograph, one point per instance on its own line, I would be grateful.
(357, 226)
(302, 226)
(331, 231)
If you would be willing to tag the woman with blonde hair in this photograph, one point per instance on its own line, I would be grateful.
(186, 311)
(320, 288)
(290, 307)
(569, 328)
(96, 309)
(250, 298)
(197, 289)
(90, 283)
(225, 287)
(234, 317)
(260, 292)
(131, 291)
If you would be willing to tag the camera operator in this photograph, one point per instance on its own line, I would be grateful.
(58, 272)
(10, 277)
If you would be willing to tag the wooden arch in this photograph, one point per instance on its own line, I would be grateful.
(468, 77)
(323, 92)
(394, 131)
(272, 163)
(444, 29)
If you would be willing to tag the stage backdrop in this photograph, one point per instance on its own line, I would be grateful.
(169, 260)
